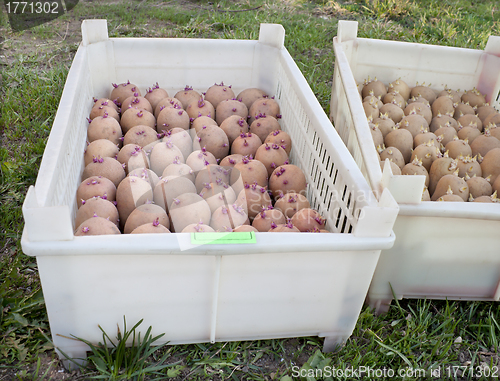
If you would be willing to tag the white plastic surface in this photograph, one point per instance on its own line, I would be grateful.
(405, 189)
(94, 31)
(281, 286)
(442, 250)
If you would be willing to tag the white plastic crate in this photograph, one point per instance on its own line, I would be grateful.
(297, 284)
(442, 250)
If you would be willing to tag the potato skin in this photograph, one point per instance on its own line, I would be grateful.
(284, 228)
(214, 140)
(272, 156)
(264, 220)
(496, 185)
(146, 214)
(140, 135)
(200, 107)
(171, 117)
(104, 102)
(478, 186)
(394, 112)
(104, 110)
(245, 228)
(485, 111)
(100, 147)
(230, 107)
(291, 203)
(417, 108)
(425, 137)
(483, 144)
(401, 87)
(254, 199)
(171, 187)
(458, 148)
(198, 228)
(189, 208)
(233, 126)
(155, 94)
(414, 169)
(231, 160)
(164, 154)
(281, 138)
(425, 92)
(229, 218)
(246, 144)
(150, 228)
(250, 95)
(414, 123)
(287, 178)
(308, 219)
(99, 207)
(217, 93)
(199, 159)
(446, 134)
(95, 186)
(124, 90)
(443, 105)
(130, 193)
(135, 117)
(186, 95)
(202, 122)
(167, 102)
(137, 103)
(393, 154)
(402, 140)
(492, 120)
(377, 87)
(265, 106)
(439, 168)
(458, 186)
(132, 156)
(469, 133)
(450, 197)
(104, 127)
(263, 126)
(107, 167)
(96, 226)
(440, 121)
(491, 164)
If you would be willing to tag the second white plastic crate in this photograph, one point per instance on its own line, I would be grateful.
(442, 250)
(284, 285)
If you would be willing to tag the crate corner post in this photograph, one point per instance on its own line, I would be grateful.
(94, 31)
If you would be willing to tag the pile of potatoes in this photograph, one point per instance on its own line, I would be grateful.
(452, 137)
(214, 161)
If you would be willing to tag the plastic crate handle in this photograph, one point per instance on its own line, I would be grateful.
(48, 223)
(94, 31)
(347, 30)
(272, 35)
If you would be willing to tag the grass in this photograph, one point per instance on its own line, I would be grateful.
(26, 117)
(427, 335)
(125, 358)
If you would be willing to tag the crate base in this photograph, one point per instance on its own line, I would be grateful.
(380, 306)
(204, 298)
(73, 357)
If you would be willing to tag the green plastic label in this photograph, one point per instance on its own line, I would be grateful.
(222, 238)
